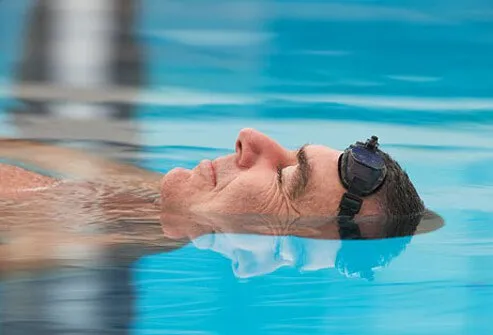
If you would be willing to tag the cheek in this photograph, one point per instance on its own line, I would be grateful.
(323, 197)
(244, 195)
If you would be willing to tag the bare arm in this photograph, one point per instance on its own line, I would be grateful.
(79, 164)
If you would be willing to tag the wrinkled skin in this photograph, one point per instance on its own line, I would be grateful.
(247, 181)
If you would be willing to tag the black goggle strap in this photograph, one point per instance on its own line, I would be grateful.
(350, 206)
(348, 229)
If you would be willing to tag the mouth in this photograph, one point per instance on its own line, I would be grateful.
(213, 173)
(210, 170)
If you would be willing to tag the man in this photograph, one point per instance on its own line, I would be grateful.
(270, 191)
(260, 177)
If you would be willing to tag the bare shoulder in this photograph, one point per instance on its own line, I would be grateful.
(16, 181)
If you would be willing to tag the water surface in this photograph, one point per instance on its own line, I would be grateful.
(417, 74)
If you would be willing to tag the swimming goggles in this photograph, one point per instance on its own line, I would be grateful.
(362, 171)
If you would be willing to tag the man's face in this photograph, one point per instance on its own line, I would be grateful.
(261, 177)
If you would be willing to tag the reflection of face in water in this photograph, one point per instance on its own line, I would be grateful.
(255, 255)
(258, 245)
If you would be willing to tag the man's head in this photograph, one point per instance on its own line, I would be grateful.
(263, 177)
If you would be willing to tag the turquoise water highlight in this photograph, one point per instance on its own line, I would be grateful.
(440, 284)
(418, 74)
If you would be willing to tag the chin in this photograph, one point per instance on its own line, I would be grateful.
(170, 197)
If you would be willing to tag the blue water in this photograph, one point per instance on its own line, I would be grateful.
(419, 74)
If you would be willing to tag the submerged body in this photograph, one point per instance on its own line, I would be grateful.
(17, 182)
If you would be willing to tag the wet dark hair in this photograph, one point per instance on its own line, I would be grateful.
(401, 203)
(402, 212)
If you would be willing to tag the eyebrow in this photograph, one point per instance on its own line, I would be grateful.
(301, 176)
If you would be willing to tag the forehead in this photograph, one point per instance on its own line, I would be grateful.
(322, 154)
(324, 188)
(323, 163)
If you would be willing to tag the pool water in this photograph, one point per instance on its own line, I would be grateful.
(417, 74)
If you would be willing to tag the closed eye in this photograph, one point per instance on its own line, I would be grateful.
(300, 177)
(279, 175)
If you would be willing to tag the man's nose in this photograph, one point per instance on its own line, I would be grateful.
(254, 147)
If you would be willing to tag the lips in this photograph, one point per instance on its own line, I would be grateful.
(213, 173)
(207, 168)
